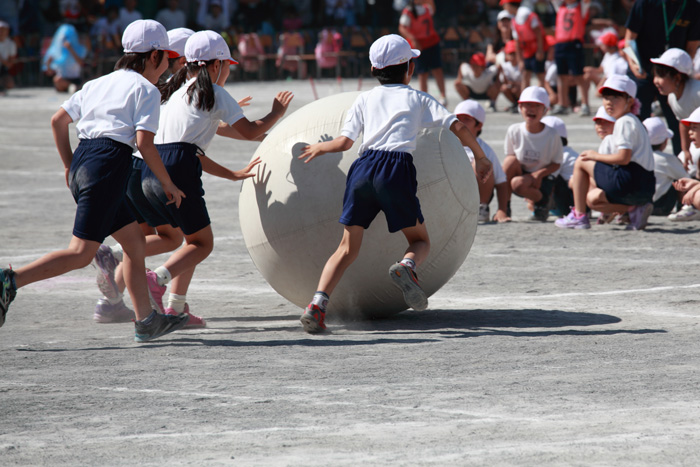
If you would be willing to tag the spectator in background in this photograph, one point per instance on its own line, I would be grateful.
(249, 48)
(8, 54)
(105, 32)
(172, 17)
(330, 42)
(64, 59)
(657, 25)
(340, 12)
(9, 13)
(213, 15)
(494, 51)
(127, 15)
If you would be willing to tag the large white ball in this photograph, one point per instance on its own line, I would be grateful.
(289, 214)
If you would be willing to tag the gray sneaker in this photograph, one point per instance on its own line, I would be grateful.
(559, 110)
(405, 279)
(8, 291)
(105, 312)
(106, 263)
(159, 325)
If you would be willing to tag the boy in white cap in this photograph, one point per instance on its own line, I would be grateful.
(667, 167)
(383, 178)
(477, 80)
(473, 116)
(673, 73)
(117, 113)
(562, 196)
(624, 178)
(533, 152)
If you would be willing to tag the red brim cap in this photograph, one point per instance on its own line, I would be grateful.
(233, 62)
(172, 54)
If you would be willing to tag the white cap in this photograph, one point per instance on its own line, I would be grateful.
(503, 14)
(203, 46)
(658, 132)
(472, 108)
(693, 118)
(601, 114)
(534, 94)
(178, 38)
(677, 59)
(390, 50)
(620, 83)
(556, 123)
(144, 35)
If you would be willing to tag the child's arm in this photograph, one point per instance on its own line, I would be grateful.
(218, 170)
(622, 157)
(59, 126)
(502, 195)
(312, 151)
(684, 184)
(144, 143)
(545, 171)
(252, 130)
(230, 132)
(685, 145)
(481, 163)
(539, 55)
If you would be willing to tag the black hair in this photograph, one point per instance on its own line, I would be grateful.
(393, 74)
(137, 60)
(657, 147)
(564, 141)
(201, 91)
(607, 92)
(664, 71)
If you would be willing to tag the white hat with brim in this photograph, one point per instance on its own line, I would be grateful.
(472, 108)
(678, 59)
(391, 50)
(535, 94)
(503, 14)
(657, 129)
(601, 114)
(203, 46)
(620, 83)
(693, 118)
(145, 35)
(178, 38)
(556, 123)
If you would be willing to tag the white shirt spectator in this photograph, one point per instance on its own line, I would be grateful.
(667, 169)
(499, 175)
(533, 150)
(481, 84)
(688, 102)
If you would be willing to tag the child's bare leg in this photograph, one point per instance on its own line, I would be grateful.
(526, 76)
(583, 172)
(439, 80)
(512, 169)
(78, 255)
(462, 90)
(343, 257)
(197, 247)
(524, 186)
(133, 243)
(423, 82)
(597, 200)
(418, 243)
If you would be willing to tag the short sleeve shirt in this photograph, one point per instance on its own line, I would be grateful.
(390, 117)
(667, 169)
(499, 175)
(8, 49)
(566, 171)
(534, 151)
(115, 106)
(481, 83)
(629, 133)
(689, 101)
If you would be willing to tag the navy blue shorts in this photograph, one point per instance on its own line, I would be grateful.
(569, 58)
(98, 176)
(382, 181)
(185, 170)
(532, 64)
(629, 184)
(138, 203)
(429, 59)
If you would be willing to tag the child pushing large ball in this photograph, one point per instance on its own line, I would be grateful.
(289, 214)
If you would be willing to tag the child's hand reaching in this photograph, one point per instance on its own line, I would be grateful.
(173, 193)
(246, 172)
(310, 152)
(281, 103)
(245, 101)
(482, 169)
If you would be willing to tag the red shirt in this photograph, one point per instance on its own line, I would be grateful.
(527, 37)
(421, 27)
(571, 24)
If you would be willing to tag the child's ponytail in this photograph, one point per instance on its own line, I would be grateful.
(201, 92)
(173, 84)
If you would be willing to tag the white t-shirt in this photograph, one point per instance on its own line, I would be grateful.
(511, 72)
(613, 64)
(689, 101)
(567, 164)
(533, 150)
(522, 15)
(629, 133)
(115, 106)
(550, 73)
(694, 156)
(481, 84)
(182, 122)
(391, 116)
(499, 176)
(667, 169)
(8, 49)
(606, 146)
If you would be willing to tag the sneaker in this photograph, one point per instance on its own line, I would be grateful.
(406, 280)
(159, 325)
(639, 216)
(313, 319)
(585, 111)
(686, 213)
(484, 212)
(106, 263)
(540, 213)
(192, 322)
(573, 222)
(105, 312)
(155, 291)
(8, 291)
(559, 110)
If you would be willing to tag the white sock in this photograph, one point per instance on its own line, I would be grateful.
(320, 299)
(409, 263)
(177, 302)
(163, 274)
(118, 252)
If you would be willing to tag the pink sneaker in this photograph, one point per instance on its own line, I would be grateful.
(106, 263)
(192, 322)
(573, 222)
(155, 291)
(313, 319)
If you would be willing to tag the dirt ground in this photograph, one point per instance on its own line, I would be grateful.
(548, 347)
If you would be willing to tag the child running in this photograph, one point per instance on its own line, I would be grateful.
(623, 180)
(196, 105)
(116, 114)
(383, 178)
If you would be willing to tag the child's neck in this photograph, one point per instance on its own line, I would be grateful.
(534, 127)
(679, 91)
